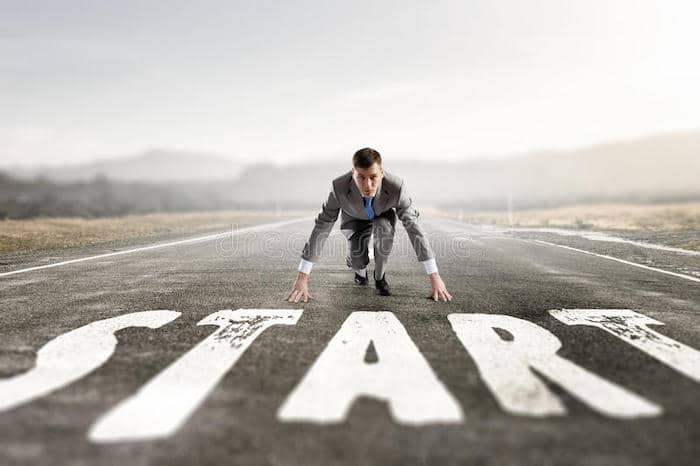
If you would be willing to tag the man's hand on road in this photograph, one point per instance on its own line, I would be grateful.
(439, 291)
(301, 289)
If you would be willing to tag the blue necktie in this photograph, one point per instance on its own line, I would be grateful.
(368, 207)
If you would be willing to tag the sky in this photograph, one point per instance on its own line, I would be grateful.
(295, 80)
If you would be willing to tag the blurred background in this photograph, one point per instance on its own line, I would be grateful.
(500, 112)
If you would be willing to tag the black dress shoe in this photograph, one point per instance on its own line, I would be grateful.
(360, 280)
(382, 286)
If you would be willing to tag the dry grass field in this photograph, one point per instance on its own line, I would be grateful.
(48, 233)
(651, 217)
(683, 218)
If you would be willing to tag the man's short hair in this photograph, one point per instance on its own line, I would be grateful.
(365, 158)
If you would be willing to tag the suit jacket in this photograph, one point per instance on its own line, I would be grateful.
(346, 197)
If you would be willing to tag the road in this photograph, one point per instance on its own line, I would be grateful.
(546, 355)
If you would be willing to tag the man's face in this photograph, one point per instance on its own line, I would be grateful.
(367, 179)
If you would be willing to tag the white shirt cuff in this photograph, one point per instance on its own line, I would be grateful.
(305, 266)
(430, 266)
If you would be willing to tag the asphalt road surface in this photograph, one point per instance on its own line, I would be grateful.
(189, 354)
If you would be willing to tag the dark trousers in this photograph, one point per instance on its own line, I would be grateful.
(358, 232)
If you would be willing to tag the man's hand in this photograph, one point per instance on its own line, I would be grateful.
(301, 289)
(439, 291)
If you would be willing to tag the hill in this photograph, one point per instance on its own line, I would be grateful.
(151, 166)
(663, 167)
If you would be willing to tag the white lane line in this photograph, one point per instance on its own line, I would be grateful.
(599, 236)
(589, 235)
(198, 239)
(622, 261)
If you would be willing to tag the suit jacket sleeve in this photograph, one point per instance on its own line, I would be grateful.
(408, 215)
(322, 228)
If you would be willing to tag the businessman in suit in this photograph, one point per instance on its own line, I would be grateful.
(369, 201)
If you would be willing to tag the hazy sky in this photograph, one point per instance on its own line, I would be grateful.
(302, 79)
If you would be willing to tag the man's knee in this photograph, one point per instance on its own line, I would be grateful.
(384, 228)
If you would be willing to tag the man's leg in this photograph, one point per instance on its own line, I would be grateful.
(357, 233)
(384, 228)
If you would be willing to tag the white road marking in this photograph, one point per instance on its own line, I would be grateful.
(400, 376)
(163, 405)
(158, 246)
(507, 369)
(589, 235)
(631, 327)
(646, 267)
(73, 355)
(599, 236)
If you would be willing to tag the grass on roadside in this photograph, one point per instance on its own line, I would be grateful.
(649, 217)
(48, 233)
(680, 218)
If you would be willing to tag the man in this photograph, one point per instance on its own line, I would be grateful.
(370, 201)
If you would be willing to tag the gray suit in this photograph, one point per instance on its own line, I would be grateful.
(390, 200)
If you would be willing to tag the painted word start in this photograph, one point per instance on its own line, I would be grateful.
(512, 355)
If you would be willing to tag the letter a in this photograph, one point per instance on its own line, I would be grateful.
(400, 376)
(506, 367)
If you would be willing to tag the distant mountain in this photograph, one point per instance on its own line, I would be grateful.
(662, 167)
(152, 166)
(659, 168)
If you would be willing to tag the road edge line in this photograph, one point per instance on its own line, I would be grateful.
(198, 239)
(654, 269)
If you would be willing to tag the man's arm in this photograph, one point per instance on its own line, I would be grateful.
(312, 249)
(323, 225)
(408, 215)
